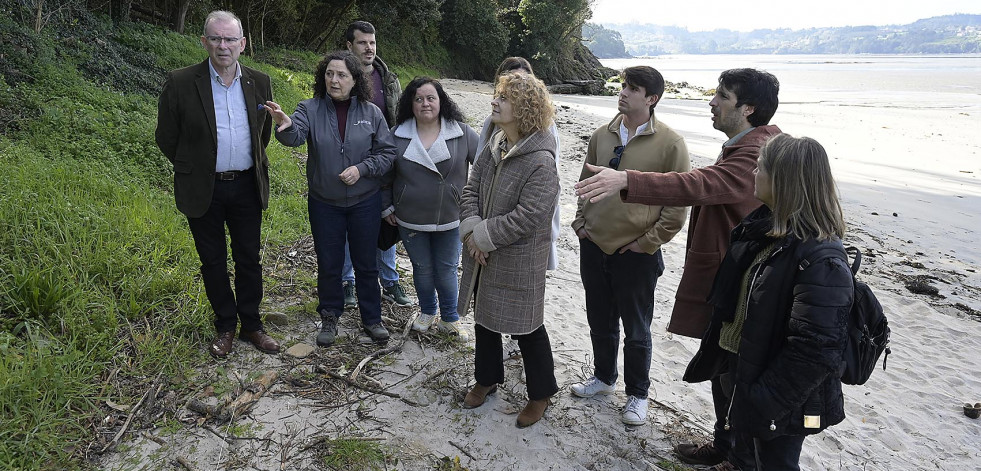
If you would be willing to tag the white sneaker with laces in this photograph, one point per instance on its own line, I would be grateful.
(635, 412)
(591, 387)
(453, 328)
(423, 322)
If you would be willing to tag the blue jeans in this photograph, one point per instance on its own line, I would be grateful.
(620, 288)
(435, 257)
(385, 260)
(331, 226)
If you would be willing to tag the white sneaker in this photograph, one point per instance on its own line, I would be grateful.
(453, 328)
(635, 412)
(423, 322)
(591, 387)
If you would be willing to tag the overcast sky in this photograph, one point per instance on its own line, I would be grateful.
(795, 14)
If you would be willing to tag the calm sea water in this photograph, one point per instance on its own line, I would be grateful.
(941, 81)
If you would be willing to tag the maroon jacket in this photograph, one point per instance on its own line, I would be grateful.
(721, 195)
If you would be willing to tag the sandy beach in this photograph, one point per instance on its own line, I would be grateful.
(910, 180)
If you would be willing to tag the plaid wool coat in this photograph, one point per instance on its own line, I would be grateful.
(507, 209)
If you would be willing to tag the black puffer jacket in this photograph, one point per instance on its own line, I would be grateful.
(790, 352)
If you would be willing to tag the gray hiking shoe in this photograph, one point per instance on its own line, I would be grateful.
(377, 332)
(350, 300)
(396, 294)
(328, 329)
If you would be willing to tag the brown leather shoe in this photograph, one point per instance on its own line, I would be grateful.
(221, 346)
(533, 412)
(262, 341)
(477, 396)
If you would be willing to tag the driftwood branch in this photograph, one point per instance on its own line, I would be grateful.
(132, 415)
(252, 393)
(385, 351)
(463, 450)
(184, 463)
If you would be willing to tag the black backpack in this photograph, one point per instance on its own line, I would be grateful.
(868, 329)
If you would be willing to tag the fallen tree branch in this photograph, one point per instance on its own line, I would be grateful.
(465, 452)
(249, 397)
(132, 415)
(184, 463)
(385, 351)
(364, 387)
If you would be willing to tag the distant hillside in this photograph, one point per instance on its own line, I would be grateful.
(604, 43)
(939, 35)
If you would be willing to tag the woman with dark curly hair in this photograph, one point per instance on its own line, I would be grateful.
(350, 149)
(435, 150)
(505, 211)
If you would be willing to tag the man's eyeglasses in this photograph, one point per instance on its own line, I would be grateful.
(615, 162)
(216, 40)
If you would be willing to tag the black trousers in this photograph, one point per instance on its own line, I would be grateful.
(536, 352)
(620, 289)
(236, 204)
(749, 453)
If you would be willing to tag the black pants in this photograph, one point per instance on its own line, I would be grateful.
(753, 454)
(235, 204)
(536, 352)
(720, 399)
(620, 288)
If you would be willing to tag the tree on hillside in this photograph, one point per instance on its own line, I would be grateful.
(604, 42)
(407, 31)
(476, 40)
(549, 34)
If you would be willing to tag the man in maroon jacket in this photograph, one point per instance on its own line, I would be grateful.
(721, 195)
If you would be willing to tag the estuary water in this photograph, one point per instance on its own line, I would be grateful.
(932, 81)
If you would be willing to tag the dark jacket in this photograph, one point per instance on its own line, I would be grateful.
(186, 133)
(426, 195)
(393, 90)
(721, 195)
(367, 144)
(791, 347)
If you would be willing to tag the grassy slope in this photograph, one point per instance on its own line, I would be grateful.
(98, 272)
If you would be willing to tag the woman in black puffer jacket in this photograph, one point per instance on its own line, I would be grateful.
(779, 325)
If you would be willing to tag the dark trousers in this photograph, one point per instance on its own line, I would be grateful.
(358, 225)
(235, 204)
(748, 453)
(620, 288)
(720, 399)
(776, 454)
(536, 352)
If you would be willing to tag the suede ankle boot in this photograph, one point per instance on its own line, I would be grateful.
(477, 396)
(533, 412)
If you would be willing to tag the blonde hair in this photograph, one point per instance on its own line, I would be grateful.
(530, 101)
(805, 197)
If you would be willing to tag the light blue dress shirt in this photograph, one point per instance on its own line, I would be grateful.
(231, 122)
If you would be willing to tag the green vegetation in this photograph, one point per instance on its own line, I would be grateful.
(98, 272)
(605, 43)
(459, 38)
(355, 453)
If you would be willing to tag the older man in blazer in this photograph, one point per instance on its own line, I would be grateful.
(211, 126)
